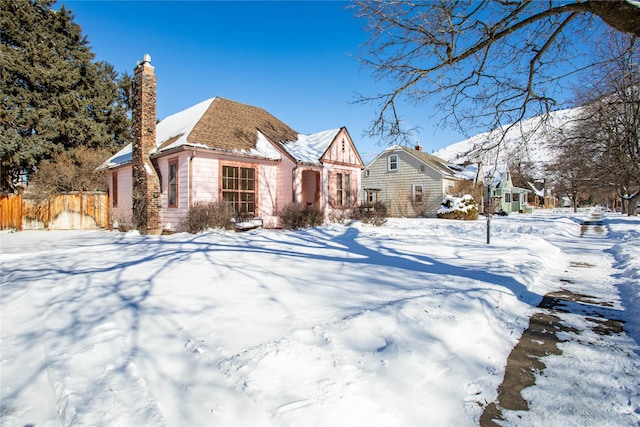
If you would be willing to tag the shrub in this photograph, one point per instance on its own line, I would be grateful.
(372, 213)
(464, 208)
(206, 215)
(342, 215)
(295, 216)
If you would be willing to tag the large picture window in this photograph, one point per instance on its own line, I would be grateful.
(239, 188)
(173, 184)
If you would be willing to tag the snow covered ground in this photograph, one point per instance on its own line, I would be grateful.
(406, 324)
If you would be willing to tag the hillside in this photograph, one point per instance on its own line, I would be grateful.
(526, 141)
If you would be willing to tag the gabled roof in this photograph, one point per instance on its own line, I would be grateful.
(311, 148)
(229, 126)
(434, 162)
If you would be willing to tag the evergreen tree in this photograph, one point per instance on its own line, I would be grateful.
(54, 97)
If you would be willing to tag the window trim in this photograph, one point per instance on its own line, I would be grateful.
(414, 193)
(172, 188)
(347, 189)
(114, 189)
(392, 159)
(243, 189)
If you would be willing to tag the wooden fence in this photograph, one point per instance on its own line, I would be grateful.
(71, 211)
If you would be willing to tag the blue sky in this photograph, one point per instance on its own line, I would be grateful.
(295, 59)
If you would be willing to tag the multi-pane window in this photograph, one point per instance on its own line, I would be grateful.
(239, 188)
(417, 193)
(392, 164)
(343, 189)
(173, 184)
(114, 189)
(507, 197)
(347, 189)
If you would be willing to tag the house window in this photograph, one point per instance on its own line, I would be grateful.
(173, 183)
(347, 189)
(239, 188)
(421, 168)
(417, 193)
(507, 197)
(367, 172)
(114, 189)
(392, 162)
(343, 189)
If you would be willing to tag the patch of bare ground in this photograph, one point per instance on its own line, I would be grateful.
(538, 340)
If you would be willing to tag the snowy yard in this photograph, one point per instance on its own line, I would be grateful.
(406, 324)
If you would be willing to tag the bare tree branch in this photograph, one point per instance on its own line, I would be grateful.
(486, 64)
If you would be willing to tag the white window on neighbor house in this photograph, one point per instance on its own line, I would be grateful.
(417, 193)
(507, 197)
(392, 164)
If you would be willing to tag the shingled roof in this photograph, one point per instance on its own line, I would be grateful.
(222, 124)
(230, 125)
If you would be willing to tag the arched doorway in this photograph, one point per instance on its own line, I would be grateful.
(310, 183)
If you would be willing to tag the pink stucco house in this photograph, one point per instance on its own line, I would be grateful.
(224, 150)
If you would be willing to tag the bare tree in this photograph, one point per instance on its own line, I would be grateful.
(611, 125)
(572, 173)
(601, 149)
(485, 63)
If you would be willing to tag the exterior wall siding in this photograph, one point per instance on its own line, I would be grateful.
(172, 216)
(121, 214)
(204, 175)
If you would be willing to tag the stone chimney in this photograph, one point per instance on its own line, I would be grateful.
(146, 184)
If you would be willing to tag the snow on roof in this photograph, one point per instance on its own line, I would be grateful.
(180, 125)
(537, 191)
(176, 125)
(310, 148)
(177, 130)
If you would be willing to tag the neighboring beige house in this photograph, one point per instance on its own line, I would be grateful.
(221, 150)
(411, 182)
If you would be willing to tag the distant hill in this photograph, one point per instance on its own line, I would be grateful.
(527, 142)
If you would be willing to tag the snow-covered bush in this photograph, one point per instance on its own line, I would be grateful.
(458, 208)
